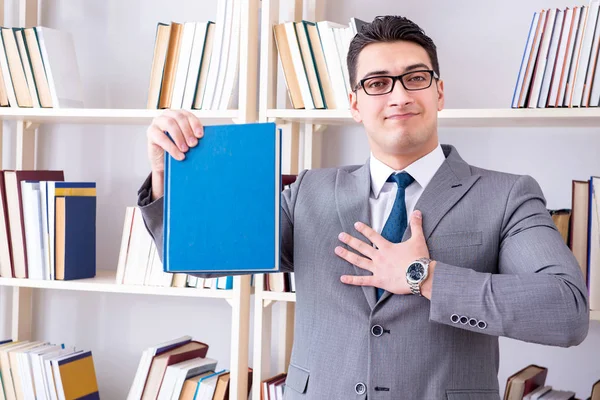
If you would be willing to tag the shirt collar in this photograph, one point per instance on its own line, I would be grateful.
(422, 170)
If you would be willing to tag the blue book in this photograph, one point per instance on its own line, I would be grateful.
(75, 237)
(222, 203)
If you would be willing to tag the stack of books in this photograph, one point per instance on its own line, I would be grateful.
(47, 226)
(196, 64)
(179, 369)
(273, 388)
(41, 370)
(560, 61)
(313, 57)
(140, 263)
(38, 68)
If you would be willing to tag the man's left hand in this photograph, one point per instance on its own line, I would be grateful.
(387, 261)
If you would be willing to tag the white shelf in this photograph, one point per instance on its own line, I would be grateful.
(595, 315)
(279, 296)
(105, 115)
(105, 282)
(465, 118)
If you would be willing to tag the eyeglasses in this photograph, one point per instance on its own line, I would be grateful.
(384, 84)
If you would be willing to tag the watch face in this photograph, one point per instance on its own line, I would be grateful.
(415, 272)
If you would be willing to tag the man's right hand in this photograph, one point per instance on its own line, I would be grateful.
(184, 128)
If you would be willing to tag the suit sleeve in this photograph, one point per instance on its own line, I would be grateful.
(539, 294)
(152, 214)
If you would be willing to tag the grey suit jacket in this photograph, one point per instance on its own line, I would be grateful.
(502, 270)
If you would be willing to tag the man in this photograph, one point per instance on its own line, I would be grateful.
(409, 267)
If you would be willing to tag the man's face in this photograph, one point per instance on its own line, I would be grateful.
(401, 122)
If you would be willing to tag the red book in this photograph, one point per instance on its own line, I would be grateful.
(6, 262)
(12, 184)
(160, 362)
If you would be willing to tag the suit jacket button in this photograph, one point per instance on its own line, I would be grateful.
(376, 330)
(360, 388)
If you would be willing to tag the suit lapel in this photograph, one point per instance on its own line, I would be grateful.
(352, 190)
(449, 184)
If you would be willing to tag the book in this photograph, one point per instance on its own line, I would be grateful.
(221, 204)
(12, 182)
(75, 377)
(75, 237)
(525, 381)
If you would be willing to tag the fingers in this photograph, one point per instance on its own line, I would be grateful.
(159, 138)
(354, 258)
(416, 225)
(357, 245)
(184, 128)
(358, 280)
(371, 234)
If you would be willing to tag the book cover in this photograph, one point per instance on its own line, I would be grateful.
(221, 204)
(75, 237)
(77, 377)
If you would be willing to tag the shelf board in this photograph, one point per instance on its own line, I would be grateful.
(279, 296)
(105, 282)
(463, 118)
(595, 315)
(105, 115)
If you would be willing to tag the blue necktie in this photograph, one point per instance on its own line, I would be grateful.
(397, 221)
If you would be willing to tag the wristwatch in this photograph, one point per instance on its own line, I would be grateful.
(416, 273)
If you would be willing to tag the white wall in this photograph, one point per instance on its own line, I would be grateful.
(480, 46)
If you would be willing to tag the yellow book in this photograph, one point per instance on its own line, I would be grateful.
(75, 376)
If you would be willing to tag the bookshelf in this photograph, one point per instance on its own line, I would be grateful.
(105, 282)
(106, 116)
(28, 120)
(302, 130)
(460, 118)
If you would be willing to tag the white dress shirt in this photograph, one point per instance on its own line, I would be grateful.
(383, 194)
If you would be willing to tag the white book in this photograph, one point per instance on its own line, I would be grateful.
(575, 58)
(215, 59)
(342, 50)
(560, 57)
(32, 221)
(10, 89)
(125, 238)
(183, 64)
(562, 90)
(38, 370)
(542, 60)
(207, 387)
(28, 69)
(176, 374)
(224, 57)
(60, 63)
(227, 94)
(585, 53)
(48, 274)
(139, 252)
(552, 55)
(332, 60)
(198, 46)
(137, 386)
(294, 46)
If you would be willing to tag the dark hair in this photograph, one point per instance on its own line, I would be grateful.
(389, 28)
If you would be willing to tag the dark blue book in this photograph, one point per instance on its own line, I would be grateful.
(221, 204)
(75, 237)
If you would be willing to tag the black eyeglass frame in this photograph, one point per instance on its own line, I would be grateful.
(361, 83)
